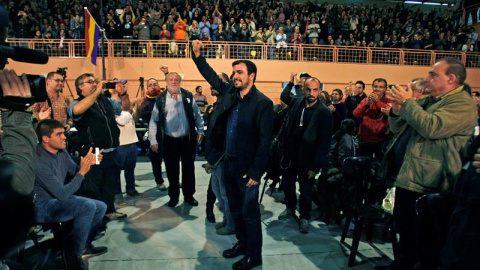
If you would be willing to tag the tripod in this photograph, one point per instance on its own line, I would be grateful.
(141, 87)
(63, 72)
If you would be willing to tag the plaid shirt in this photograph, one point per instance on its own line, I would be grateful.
(59, 110)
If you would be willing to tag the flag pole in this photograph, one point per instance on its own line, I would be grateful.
(102, 30)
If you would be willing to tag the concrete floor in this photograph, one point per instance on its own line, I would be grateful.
(155, 236)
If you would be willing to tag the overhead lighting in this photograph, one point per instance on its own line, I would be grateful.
(413, 2)
(432, 3)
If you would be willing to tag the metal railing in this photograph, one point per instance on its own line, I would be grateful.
(253, 51)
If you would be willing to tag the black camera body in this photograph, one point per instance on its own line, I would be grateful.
(37, 88)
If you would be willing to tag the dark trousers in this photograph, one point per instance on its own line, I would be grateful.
(245, 210)
(289, 178)
(156, 161)
(87, 215)
(127, 159)
(101, 182)
(211, 198)
(405, 220)
(174, 150)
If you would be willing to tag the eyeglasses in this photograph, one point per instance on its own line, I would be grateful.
(57, 80)
(90, 81)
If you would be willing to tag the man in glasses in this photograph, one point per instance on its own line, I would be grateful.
(55, 107)
(94, 118)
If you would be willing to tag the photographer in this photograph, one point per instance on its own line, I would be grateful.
(16, 166)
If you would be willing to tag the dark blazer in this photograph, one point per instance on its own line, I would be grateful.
(255, 124)
(315, 144)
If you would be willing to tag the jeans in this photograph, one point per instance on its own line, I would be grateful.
(174, 150)
(87, 215)
(156, 160)
(102, 181)
(127, 160)
(289, 178)
(245, 210)
(218, 186)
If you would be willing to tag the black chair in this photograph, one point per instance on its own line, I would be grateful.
(433, 216)
(60, 232)
(361, 203)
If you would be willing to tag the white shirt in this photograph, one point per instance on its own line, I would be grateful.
(176, 121)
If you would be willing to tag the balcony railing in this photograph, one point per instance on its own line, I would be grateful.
(252, 51)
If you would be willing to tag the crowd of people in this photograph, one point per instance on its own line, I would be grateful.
(419, 133)
(261, 22)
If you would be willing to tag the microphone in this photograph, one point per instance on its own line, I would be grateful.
(25, 55)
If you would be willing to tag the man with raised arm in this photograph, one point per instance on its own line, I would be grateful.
(241, 127)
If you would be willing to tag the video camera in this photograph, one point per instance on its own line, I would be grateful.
(62, 71)
(38, 88)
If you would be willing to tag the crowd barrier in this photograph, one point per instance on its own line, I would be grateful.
(253, 51)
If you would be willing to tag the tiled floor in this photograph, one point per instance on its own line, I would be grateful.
(155, 236)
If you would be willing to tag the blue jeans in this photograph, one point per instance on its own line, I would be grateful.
(127, 160)
(218, 186)
(245, 210)
(87, 215)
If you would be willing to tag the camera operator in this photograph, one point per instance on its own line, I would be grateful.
(16, 167)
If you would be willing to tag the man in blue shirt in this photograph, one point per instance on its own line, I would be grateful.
(55, 200)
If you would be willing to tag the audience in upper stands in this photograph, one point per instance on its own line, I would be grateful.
(348, 25)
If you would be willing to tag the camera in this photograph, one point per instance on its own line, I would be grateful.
(109, 85)
(62, 71)
(37, 84)
(37, 89)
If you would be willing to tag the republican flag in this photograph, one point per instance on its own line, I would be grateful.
(92, 32)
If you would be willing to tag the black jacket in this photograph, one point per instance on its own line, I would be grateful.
(187, 98)
(255, 124)
(97, 126)
(315, 144)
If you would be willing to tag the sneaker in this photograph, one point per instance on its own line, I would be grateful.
(92, 251)
(219, 225)
(304, 225)
(162, 187)
(134, 193)
(115, 215)
(225, 231)
(287, 213)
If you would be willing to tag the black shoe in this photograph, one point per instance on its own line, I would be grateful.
(235, 251)
(92, 251)
(75, 262)
(210, 214)
(173, 202)
(134, 193)
(246, 263)
(191, 201)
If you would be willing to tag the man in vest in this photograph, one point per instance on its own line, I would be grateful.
(175, 129)
(94, 118)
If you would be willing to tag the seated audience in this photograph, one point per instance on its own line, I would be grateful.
(55, 200)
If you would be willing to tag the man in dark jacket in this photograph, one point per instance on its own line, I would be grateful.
(241, 128)
(175, 129)
(306, 142)
(153, 90)
(94, 118)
